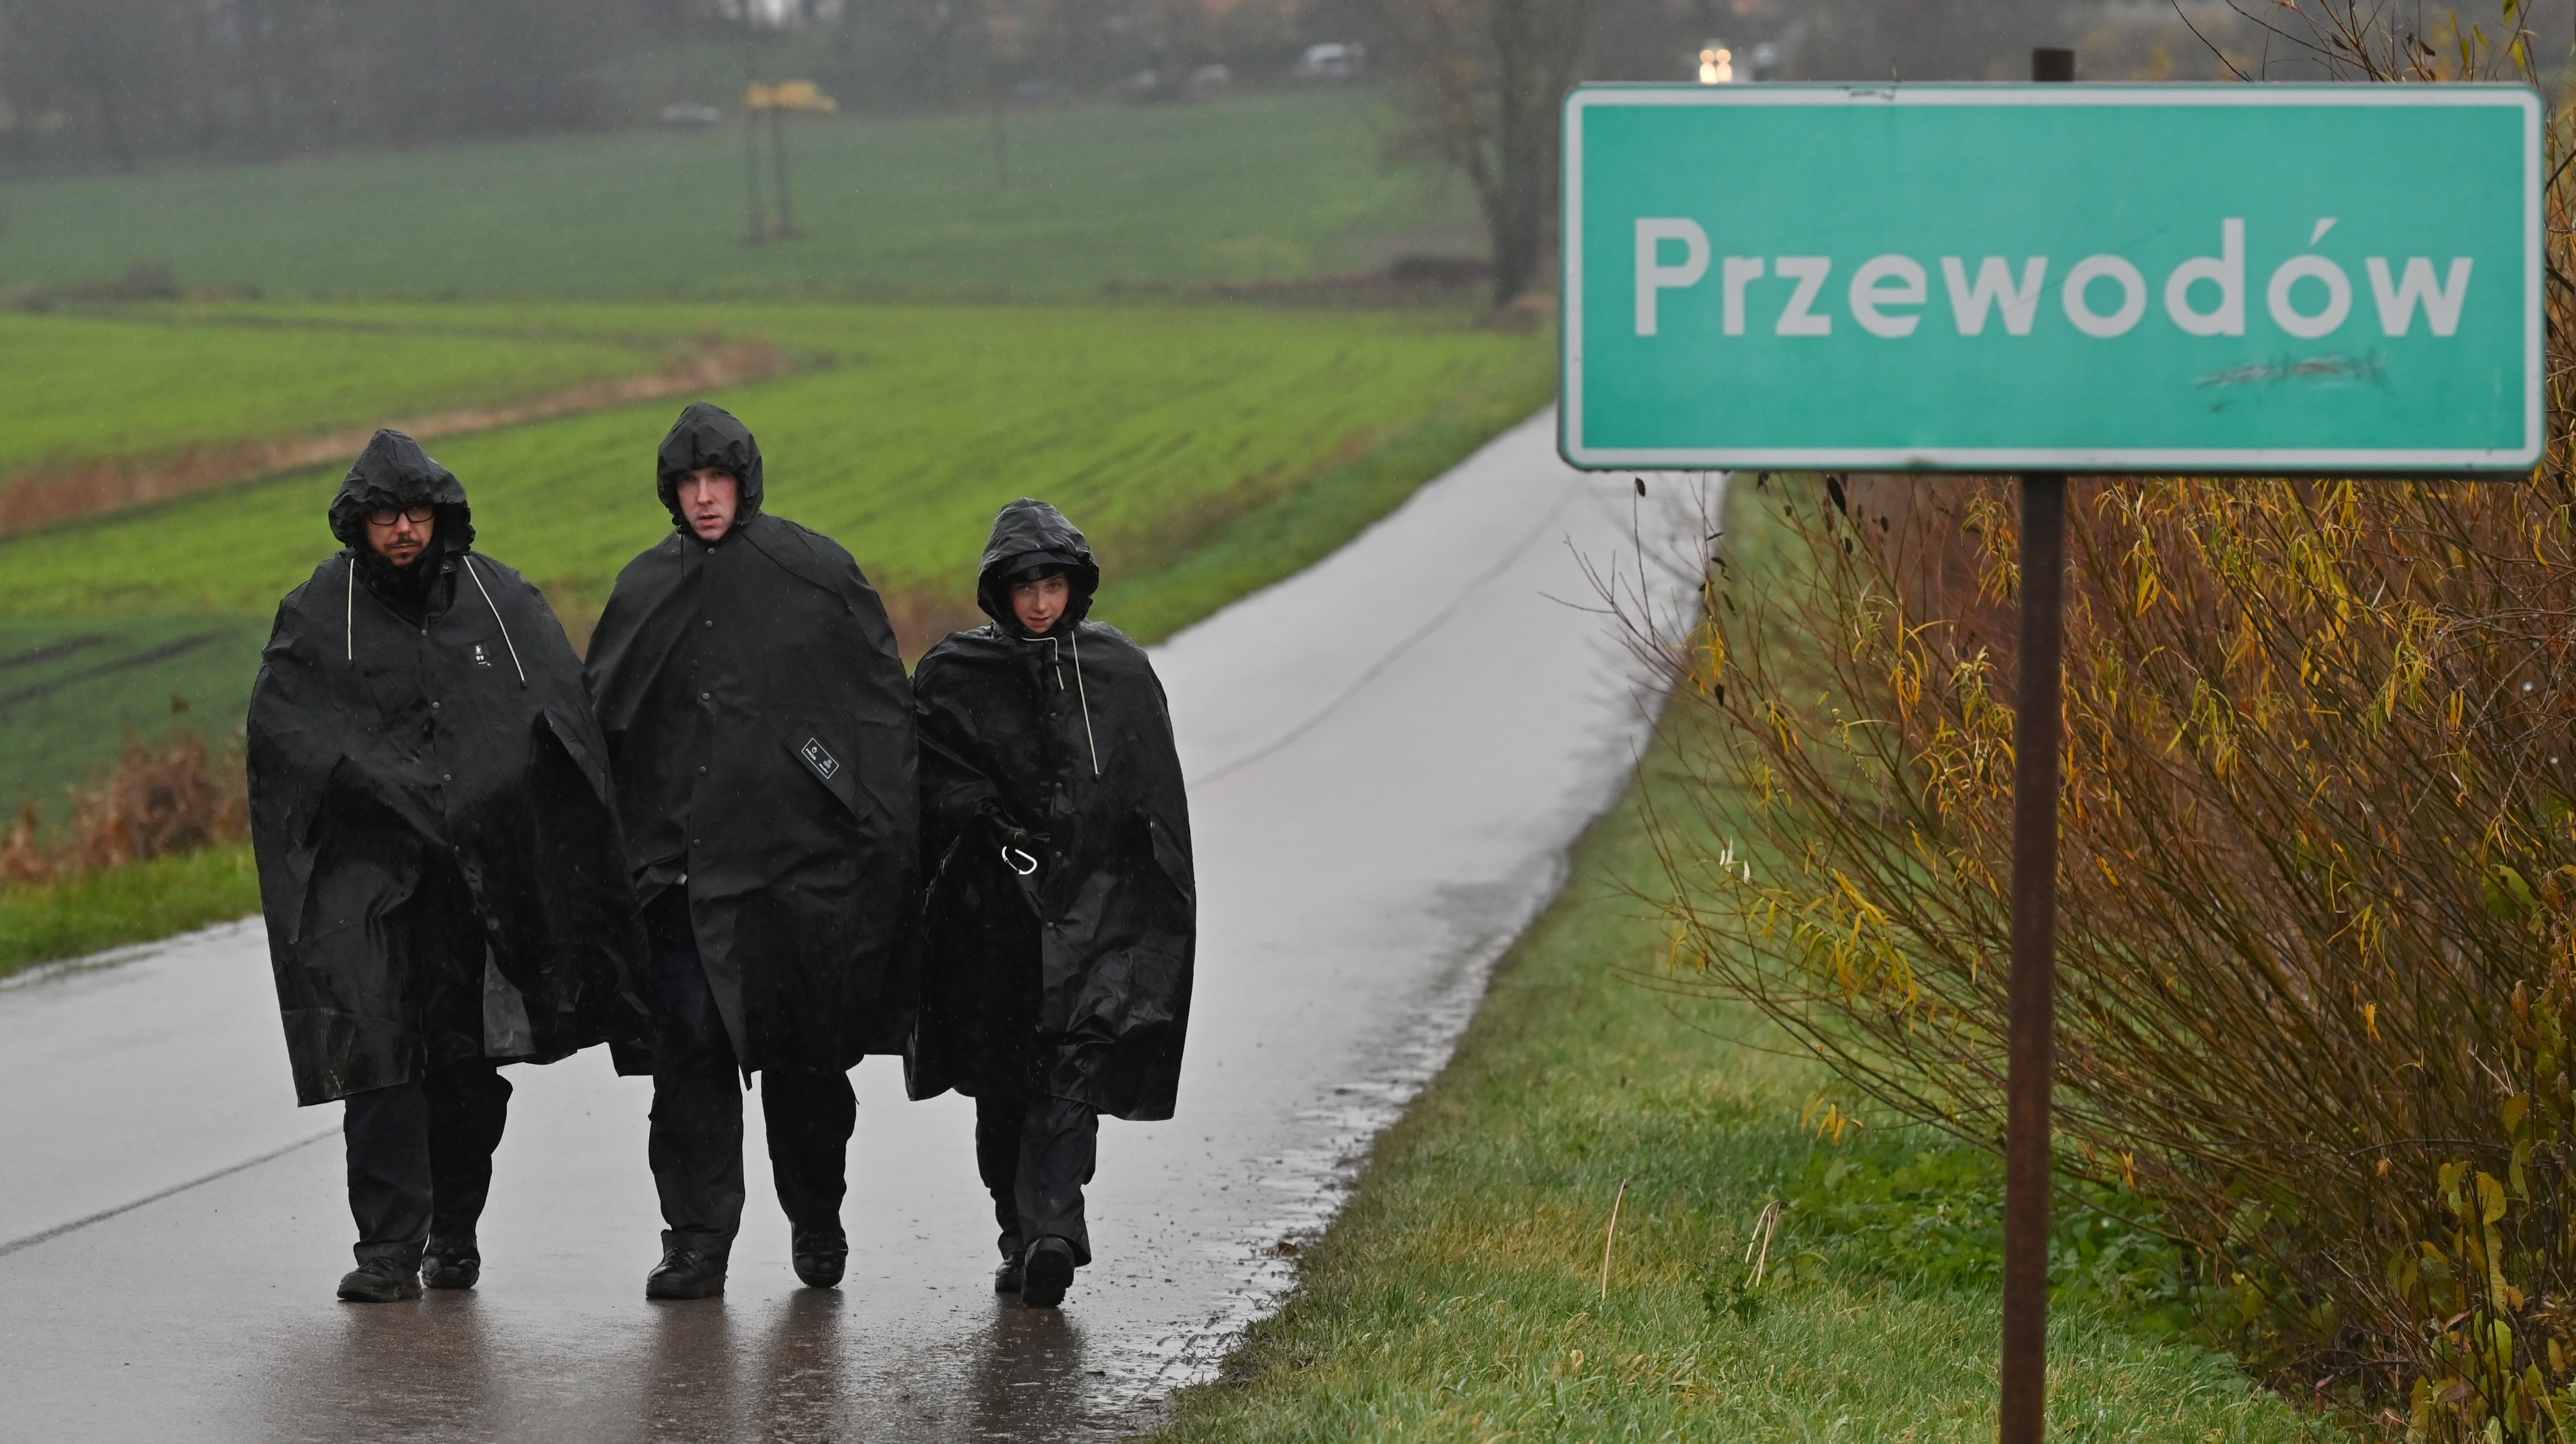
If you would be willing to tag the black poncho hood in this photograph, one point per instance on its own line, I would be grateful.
(708, 435)
(394, 472)
(1029, 534)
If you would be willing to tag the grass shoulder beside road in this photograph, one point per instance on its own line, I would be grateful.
(1459, 1295)
(136, 903)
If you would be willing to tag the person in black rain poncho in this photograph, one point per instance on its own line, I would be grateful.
(438, 858)
(1061, 915)
(760, 727)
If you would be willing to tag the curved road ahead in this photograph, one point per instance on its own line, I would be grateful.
(1389, 756)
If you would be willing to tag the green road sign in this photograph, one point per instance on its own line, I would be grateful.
(2166, 278)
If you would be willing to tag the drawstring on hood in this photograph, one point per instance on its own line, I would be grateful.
(393, 474)
(708, 435)
(1030, 535)
(1084, 693)
(1055, 658)
(496, 620)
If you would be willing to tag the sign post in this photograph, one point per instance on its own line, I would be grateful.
(2153, 280)
(2039, 679)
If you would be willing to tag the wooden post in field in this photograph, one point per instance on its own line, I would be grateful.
(759, 229)
(778, 149)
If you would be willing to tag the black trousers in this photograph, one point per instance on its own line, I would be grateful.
(696, 1141)
(420, 1158)
(1035, 1155)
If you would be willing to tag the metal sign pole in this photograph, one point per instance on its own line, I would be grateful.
(2038, 732)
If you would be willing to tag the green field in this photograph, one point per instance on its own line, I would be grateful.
(72, 688)
(1460, 1295)
(1163, 430)
(1208, 448)
(87, 388)
(1150, 426)
(102, 676)
(1252, 187)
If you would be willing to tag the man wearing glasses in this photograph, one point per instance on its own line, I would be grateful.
(760, 726)
(438, 858)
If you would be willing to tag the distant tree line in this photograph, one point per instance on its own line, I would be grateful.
(120, 83)
(1481, 79)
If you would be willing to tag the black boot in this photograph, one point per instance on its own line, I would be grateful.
(451, 1263)
(820, 1257)
(685, 1273)
(1006, 1278)
(380, 1281)
(1047, 1273)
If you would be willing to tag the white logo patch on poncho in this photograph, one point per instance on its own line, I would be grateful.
(818, 758)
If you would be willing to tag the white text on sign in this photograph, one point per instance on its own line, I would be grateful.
(2309, 295)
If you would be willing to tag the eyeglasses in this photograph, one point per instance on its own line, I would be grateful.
(387, 516)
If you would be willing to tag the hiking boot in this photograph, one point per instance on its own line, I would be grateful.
(380, 1281)
(1047, 1273)
(820, 1257)
(1006, 1278)
(685, 1273)
(451, 1263)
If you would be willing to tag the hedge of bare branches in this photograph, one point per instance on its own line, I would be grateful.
(164, 798)
(2318, 939)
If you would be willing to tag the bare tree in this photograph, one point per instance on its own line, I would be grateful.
(1481, 80)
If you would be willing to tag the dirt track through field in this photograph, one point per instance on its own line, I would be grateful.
(34, 498)
(1391, 755)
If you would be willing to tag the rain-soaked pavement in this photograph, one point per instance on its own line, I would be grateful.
(1389, 756)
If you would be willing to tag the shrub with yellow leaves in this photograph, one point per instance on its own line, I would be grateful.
(2317, 954)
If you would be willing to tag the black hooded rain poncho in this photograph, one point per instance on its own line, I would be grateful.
(410, 720)
(759, 725)
(1073, 980)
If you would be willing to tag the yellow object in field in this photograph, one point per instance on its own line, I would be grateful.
(788, 95)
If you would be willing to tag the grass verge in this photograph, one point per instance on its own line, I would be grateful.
(132, 904)
(1460, 1294)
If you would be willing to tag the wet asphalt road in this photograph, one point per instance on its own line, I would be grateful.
(1389, 756)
